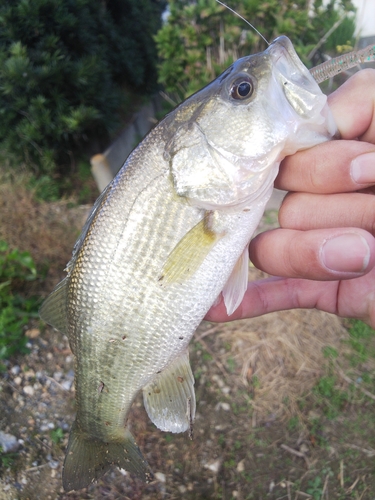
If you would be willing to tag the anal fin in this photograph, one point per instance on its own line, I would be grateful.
(87, 459)
(170, 398)
(236, 286)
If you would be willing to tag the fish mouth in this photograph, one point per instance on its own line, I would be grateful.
(287, 62)
(296, 81)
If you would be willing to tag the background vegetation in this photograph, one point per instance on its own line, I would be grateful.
(16, 309)
(71, 70)
(201, 38)
(68, 69)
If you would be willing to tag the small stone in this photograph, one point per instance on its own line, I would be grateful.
(29, 374)
(160, 477)
(53, 464)
(28, 390)
(8, 442)
(182, 489)
(218, 380)
(33, 333)
(67, 384)
(222, 406)
(220, 427)
(57, 376)
(304, 448)
(15, 370)
(18, 380)
(213, 466)
(241, 466)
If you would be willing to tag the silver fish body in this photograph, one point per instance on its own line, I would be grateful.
(165, 238)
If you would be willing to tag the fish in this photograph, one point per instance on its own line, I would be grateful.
(165, 239)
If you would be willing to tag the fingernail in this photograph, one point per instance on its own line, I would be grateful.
(346, 253)
(362, 168)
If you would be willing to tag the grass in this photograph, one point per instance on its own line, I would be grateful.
(6, 459)
(361, 341)
(16, 307)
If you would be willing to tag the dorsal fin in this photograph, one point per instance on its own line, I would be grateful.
(53, 309)
(90, 218)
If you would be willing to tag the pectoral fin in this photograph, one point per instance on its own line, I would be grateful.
(190, 252)
(236, 286)
(170, 399)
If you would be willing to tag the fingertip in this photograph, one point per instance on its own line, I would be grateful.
(346, 253)
(353, 105)
(318, 254)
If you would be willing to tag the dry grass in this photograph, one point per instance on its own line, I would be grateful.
(46, 230)
(280, 356)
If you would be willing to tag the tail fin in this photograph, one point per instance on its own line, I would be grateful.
(87, 459)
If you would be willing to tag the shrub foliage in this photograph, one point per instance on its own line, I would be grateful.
(201, 38)
(64, 68)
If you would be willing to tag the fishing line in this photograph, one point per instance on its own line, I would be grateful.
(243, 19)
(330, 68)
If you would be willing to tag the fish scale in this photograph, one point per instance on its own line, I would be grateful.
(121, 262)
(167, 237)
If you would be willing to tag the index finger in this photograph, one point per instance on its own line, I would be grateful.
(353, 107)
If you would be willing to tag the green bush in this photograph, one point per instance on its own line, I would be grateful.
(201, 38)
(16, 310)
(65, 66)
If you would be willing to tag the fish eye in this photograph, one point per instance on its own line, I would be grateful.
(242, 88)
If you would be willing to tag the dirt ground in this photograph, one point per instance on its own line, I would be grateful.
(267, 427)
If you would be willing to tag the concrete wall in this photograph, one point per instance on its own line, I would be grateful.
(105, 166)
(140, 125)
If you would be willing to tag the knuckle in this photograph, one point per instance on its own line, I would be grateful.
(289, 213)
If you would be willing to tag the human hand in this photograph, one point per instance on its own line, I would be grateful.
(324, 251)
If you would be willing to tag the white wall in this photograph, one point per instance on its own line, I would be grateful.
(365, 17)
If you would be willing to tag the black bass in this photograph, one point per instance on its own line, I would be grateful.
(166, 237)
